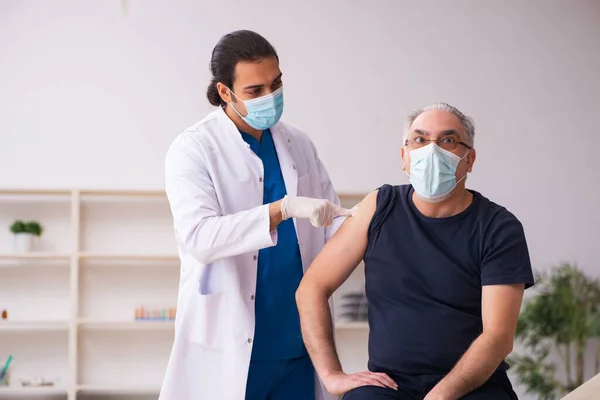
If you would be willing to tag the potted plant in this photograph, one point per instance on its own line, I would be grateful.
(24, 233)
(562, 320)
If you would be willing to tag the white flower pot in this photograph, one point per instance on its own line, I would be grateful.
(23, 242)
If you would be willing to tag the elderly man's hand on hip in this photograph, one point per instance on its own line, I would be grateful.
(340, 382)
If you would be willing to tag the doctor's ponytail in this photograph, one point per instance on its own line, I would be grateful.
(235, 47)
(212, 94)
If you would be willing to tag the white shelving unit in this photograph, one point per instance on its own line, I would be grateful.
(33, 326)
(71, 303)
(32, 393)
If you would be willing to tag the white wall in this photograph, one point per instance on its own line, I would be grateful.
(90, 97)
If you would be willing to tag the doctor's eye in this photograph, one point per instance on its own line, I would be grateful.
(419, 140)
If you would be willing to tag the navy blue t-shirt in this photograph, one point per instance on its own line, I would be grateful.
(424, 278)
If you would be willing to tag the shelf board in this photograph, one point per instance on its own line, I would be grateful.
(118, 192)
(352, 325)
(12, 392)
(122, 193)
(352, 196)
(34, 192)
(118, 390)
(35, 256)
(128, 257)
(115, 326)
(33, 326)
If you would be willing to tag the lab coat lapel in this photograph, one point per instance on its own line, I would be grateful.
(286, 162)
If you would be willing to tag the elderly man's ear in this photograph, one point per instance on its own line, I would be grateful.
(471, 160)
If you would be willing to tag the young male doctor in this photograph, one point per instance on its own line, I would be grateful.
(252, 206)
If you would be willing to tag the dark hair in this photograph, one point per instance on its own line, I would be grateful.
(244, 46)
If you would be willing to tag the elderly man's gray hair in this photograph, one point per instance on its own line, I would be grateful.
(467, 122)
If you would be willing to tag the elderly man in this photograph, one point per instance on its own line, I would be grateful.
(445, 273)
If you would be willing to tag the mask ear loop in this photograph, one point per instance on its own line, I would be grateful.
(231, 103)
(405, 171)
(462, 158)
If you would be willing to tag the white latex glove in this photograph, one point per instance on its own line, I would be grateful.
(319, 212)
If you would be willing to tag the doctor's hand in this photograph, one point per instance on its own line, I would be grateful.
(340, 383)
(319, 212)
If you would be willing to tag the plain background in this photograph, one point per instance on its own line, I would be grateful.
(92, 94)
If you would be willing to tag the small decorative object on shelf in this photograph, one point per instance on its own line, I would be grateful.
(5, 372)
(355, 306)
(24, 233)
(4, 314)
(5, 380)
(156, 314)
(37, 382)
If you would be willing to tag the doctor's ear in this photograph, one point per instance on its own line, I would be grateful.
(225, 93)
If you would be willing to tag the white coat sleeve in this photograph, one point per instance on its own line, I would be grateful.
(328, 193)
(201, 229)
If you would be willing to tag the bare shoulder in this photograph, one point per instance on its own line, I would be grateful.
(360, 220)
(367, 206)
(344, 251)
(369, 203)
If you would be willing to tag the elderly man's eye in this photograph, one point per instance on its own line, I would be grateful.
(449, 140)
(419, 139)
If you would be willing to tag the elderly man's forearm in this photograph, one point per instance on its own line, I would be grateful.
(473, 369)
(317, 330)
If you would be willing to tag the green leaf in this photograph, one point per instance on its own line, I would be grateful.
(35, 228)
(18, 227)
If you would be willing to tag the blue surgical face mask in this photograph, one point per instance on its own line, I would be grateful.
(263, 112)
(433, 172)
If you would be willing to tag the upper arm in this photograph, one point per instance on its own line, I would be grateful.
(343, 252)
(201, 228)
(185, 170)
(500, 307)
(505, 273)
(505, 254)
(188, 185)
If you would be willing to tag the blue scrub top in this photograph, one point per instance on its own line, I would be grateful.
(277, 333)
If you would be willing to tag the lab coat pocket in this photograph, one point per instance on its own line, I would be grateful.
(207, 328)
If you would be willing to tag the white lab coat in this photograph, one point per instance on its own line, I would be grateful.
(215, 189)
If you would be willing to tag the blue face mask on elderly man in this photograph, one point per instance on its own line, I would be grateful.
(433, 172)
